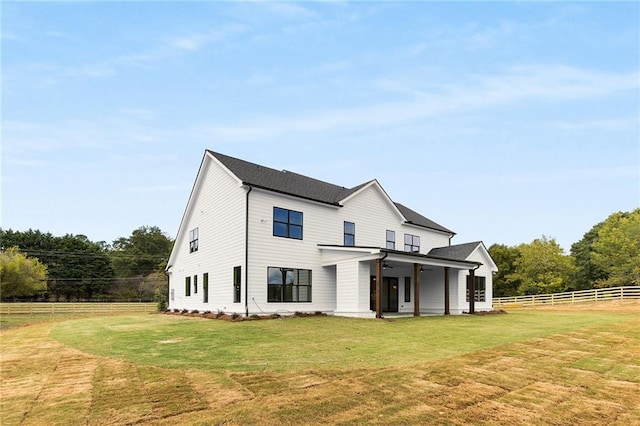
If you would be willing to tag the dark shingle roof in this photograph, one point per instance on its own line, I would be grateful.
(456, 252)
(298, 185)
(283, 181)
(417, 219)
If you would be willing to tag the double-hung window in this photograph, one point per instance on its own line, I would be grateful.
(349, 234)
(287, 223)
(391, 240)
(288, 285)
(193, 240)
(411, 243)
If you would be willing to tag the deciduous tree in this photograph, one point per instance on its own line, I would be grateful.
(21, 276)
(616, 250)
(505, 281)
(542, 267)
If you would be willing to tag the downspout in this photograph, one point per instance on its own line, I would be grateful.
(246, 255)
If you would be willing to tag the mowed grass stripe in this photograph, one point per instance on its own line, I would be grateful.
(585, 374)
(308, 343)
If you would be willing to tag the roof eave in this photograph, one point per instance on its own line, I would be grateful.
(253, 185)
(444, 230)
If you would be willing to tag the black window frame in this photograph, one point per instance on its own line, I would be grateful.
(480, 288)
(194, 236)
(391, 243)
(187, 286)
(410, 245)
(279, 291)
(195, 284)
(289, 227)
(407, 289)
(349, 237)
(205, 287)
(237, 284)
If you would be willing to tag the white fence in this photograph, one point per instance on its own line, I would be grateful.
(75, 308)
(582, 296)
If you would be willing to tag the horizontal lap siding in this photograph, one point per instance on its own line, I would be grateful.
(373, 216)
(218, 211)
(483, 271)
(266, 250)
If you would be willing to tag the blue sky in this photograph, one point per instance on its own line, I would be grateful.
(502, 121)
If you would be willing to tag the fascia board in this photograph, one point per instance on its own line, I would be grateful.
(485, 254)
(431, 261)
(411, 224)
(374, 183)
(207, 158)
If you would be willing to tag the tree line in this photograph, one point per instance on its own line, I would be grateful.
(71, 267)
(41, 266)
(608, 255)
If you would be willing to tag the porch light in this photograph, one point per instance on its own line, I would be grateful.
(421, 268)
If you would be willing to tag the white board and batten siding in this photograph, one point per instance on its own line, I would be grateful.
(216, 208)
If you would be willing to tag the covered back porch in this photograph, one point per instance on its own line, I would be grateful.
(372, 282)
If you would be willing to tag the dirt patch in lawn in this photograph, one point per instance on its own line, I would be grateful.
(589, 376)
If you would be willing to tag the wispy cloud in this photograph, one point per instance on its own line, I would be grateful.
(167, 47)
(515, 85)
(612, 124)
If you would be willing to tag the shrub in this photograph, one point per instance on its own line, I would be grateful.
(161, 299)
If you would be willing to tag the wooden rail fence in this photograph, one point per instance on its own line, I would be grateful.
(582, 296)
(75, 308)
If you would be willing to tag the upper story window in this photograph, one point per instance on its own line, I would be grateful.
(411, 243)
(391, 240)
(193, 240)
(287, 223)
(349, 234)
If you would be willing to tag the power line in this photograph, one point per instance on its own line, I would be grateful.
(113, 255)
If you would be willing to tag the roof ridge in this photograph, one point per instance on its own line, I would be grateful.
(307, 187)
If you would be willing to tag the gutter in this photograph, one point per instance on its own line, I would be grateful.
(246, 254)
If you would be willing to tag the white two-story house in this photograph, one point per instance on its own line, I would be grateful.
(254, 240)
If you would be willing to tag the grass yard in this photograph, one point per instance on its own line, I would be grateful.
(570, 365)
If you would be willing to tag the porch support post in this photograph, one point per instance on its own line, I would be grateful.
(446, 291)
(472, 291)
(416, 289)
(378, 288)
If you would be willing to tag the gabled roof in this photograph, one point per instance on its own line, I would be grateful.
(455, 252)
(290, 183)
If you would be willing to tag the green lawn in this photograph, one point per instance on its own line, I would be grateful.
(565, 365)
(308, 343)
